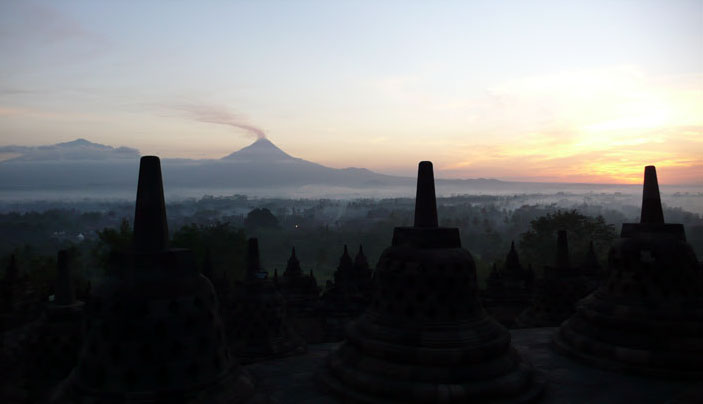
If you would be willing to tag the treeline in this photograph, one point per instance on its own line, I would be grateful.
(318, 230)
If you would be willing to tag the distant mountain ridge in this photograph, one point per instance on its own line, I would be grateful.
(84, 164)
(79, 149)
(261, 168)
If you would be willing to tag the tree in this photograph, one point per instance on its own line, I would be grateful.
(538, 244)
(260, 218)
(110, 239)
(226, 243)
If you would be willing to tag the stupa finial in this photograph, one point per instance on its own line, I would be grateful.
(150, 226)
(425, 201)
(651, 201)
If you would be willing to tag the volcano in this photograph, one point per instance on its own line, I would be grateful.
(262, 149)
(262, 164)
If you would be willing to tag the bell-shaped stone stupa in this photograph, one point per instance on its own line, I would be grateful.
(557, 292)
(258, 318)
(153, 331)
(53, 346)
(648, 316)
(425, 337)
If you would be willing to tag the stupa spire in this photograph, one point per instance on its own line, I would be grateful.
(651, 201)
(293, 266)
(425, 200)
(150, 226)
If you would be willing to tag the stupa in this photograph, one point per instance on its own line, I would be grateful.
(557, 292)
(258, 320)
(591, 269)
(342, 301)
(300, 290)
(512, 283)
(153, 332)
(363, 273)
(20, 303)
(425, 337)
(648, 316)
(302, 295)
(509, 289)
(55, 341)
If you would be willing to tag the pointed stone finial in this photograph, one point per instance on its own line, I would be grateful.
(150, 227)
(253, 263)
(562, 250)
(346, 252)
(361, 250)
(651, 202)
(293, 267)
(425, 201)
(512, 261)
(64, 294)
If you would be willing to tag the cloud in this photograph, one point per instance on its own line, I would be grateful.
(218, 115)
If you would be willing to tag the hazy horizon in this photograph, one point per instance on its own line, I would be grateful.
(532, 92)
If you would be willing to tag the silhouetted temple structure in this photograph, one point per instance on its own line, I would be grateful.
(55, 341)
(346, 298)
(302, 294)
(557, 292)
(509, 289)
(425, 337)
(299, 289)
(153, 332)
(257, 321)
(648, 316)
(591, 269)
(19, 302)
(362, 273)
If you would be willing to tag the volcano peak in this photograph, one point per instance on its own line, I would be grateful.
(261, 149)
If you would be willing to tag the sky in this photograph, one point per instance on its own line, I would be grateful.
(556, 91)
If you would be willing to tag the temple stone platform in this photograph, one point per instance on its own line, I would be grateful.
(293, 379)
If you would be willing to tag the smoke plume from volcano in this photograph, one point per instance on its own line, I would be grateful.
(221, 116)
